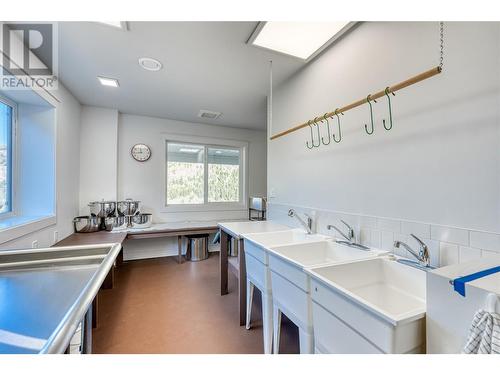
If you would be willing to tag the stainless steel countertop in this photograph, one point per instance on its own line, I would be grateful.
(45, 293)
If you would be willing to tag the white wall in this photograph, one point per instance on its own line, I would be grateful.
(110, 172)
(98, 156)
(67, 172)
(145, 181)
(440, 162)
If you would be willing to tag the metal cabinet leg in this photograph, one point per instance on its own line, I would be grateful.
(87, 332)
(242, 283)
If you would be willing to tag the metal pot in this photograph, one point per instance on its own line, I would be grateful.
(115, 222)
(142, 220)
(86, 224)
(128, 207)
(103, 208)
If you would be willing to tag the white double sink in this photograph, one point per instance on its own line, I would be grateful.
(343, 299)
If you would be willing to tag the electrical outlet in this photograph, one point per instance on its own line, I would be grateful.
(34, 244)
(56, 236)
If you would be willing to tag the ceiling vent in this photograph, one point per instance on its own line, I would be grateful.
(211, 115)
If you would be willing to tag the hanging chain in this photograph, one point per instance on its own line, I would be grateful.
(441, 44)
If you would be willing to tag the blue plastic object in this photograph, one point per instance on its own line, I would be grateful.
(459, 283)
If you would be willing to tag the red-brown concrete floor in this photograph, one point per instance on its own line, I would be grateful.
(159, 306)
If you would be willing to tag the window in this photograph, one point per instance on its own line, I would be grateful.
(201, 174)
(6, 127)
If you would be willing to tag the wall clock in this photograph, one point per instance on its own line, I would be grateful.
(141, 152)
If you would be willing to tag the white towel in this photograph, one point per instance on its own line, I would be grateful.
(484, 336)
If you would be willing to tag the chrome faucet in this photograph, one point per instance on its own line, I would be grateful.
(350, 231)
(422, 256)
(349, 236)
(307, 225)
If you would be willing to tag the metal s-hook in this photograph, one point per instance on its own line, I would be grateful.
(328, 127)
(371, 115)
(338, 124)
(312, 139)
(319, 135)
(390, 109)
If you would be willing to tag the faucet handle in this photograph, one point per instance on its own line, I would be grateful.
(423, 251)
(351, 230)
(420, 242)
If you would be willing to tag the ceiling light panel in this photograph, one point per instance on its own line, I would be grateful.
(299, 39)
(118, 24)
(110, 82)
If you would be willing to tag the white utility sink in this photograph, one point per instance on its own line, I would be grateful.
(258, 273)
(283, 237)
(320, 253)
(256, 244)
(291, 284)
(369, 306)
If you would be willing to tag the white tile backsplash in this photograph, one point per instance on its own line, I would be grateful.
(453, 235)
(368, 222)
(484, 240)
(418, 229)
(376, 238)
(387, 240)
(447, 245)
(490, 254)
(467, 254)
(448, 254)
(365, 237)
(389, 225)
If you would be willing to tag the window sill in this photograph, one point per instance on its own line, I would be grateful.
(14, 227)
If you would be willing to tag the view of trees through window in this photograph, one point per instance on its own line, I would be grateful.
(191, 168)
(5, 162)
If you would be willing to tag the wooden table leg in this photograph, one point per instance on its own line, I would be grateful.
(179, 245)
(242, 283)
(224, 239)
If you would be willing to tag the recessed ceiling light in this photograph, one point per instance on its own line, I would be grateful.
(150, 64)
(300, 39)
(118, 24)
(111, 82)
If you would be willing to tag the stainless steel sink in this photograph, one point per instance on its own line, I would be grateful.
(46, 293)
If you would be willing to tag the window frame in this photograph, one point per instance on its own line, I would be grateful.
(13, 156)
(208, 142)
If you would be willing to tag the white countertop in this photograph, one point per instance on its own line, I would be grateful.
(240, 228)
(489, 283)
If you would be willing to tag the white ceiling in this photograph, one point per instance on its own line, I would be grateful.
(206, 65)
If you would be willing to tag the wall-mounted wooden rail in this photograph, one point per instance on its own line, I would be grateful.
(401, 85)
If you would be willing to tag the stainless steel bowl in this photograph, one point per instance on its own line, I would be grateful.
(142, 220)
(115, 222)
(128, 207)
(86, 224)
(103, 208)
